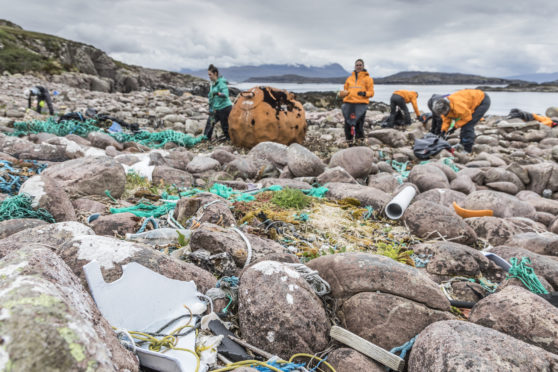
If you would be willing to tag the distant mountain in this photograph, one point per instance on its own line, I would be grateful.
(537, 78)
(430, 78)
(297, 79)
(241, 73)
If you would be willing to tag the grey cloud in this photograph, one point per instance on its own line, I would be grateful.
(497, 37)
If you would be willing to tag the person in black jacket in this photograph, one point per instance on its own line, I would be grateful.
(42, 97)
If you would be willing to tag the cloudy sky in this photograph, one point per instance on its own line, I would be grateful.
(488, 37)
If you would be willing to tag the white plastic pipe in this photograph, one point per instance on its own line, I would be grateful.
(397, 205)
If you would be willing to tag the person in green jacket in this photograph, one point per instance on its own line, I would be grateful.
(220, 104)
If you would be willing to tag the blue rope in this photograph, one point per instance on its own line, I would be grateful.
(13, 177)
(404, 348)
(317, 365)
(144, 225)
(233, 281)
(369, 212)
(285, 367)
(421, 260)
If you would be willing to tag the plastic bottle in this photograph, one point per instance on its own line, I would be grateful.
(161, 236)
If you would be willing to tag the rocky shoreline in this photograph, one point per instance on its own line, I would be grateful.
(277, 218)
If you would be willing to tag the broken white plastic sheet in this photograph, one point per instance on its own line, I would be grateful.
(143, 300)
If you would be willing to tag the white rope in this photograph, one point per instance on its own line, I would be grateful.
(208, 299)
(248, 245)
(125, 332)
(318, 284)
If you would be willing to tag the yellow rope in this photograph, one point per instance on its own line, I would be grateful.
(248, 363)
(169, 341)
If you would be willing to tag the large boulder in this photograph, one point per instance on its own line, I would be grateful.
(494, 175)
(386, 182)
(113, 253)
(357, 161)
(519, 313)
(206, 207)
(454, 345)
(303, 162)
(367, 196)
(51, 236)
(503, 205)
(543, 176)
(428, 177)
(49, 322)
(391, 137)
(89, 176)
(265, 114)
(171, 176)
(103, 140)
(444, 197)
(499, 230)
(24, 149)
(350, 360)
(46, 193)
(365, 314)
(275, 153)
(201, 164)
(300, 327)
(452, 259)
(335, 174)
(429, 220)
(10, 227)
(116, 224)
(352, 273)
(216, 239)
(463, 183)
(545, 243)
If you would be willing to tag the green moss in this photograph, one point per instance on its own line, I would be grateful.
(291, 198)
(41, 300)
(76, 349)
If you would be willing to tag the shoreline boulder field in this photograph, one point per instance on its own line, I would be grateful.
(287, 241)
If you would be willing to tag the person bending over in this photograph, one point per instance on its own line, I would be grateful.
(42, 97)
(400, 98)
(356, 93)
(220, 104)
(462, 109)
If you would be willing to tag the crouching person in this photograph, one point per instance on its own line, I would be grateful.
(462, 109)
(42, 97)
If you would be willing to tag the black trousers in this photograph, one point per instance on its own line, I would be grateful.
(221, 116)
(468, 130)
(354, 114)
(436, 126)
(397, 101)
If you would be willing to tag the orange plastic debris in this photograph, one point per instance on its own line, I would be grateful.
(466, 213)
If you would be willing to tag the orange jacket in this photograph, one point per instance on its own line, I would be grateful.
(409, 96)
(543, 120)
(462, 105)
(354, 84)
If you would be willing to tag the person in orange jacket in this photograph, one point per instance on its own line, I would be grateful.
(356, 93)
(400, 98)
(527, 116)
(462, 109)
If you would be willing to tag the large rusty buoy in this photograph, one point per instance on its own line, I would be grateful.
(266, 114)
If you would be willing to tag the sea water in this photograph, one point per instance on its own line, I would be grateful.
(501, 102)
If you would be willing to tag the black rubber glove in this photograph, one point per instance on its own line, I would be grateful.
(362, 93)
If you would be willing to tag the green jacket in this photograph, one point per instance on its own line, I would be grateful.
(221, 101)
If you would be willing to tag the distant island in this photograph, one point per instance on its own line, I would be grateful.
(405, 77)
